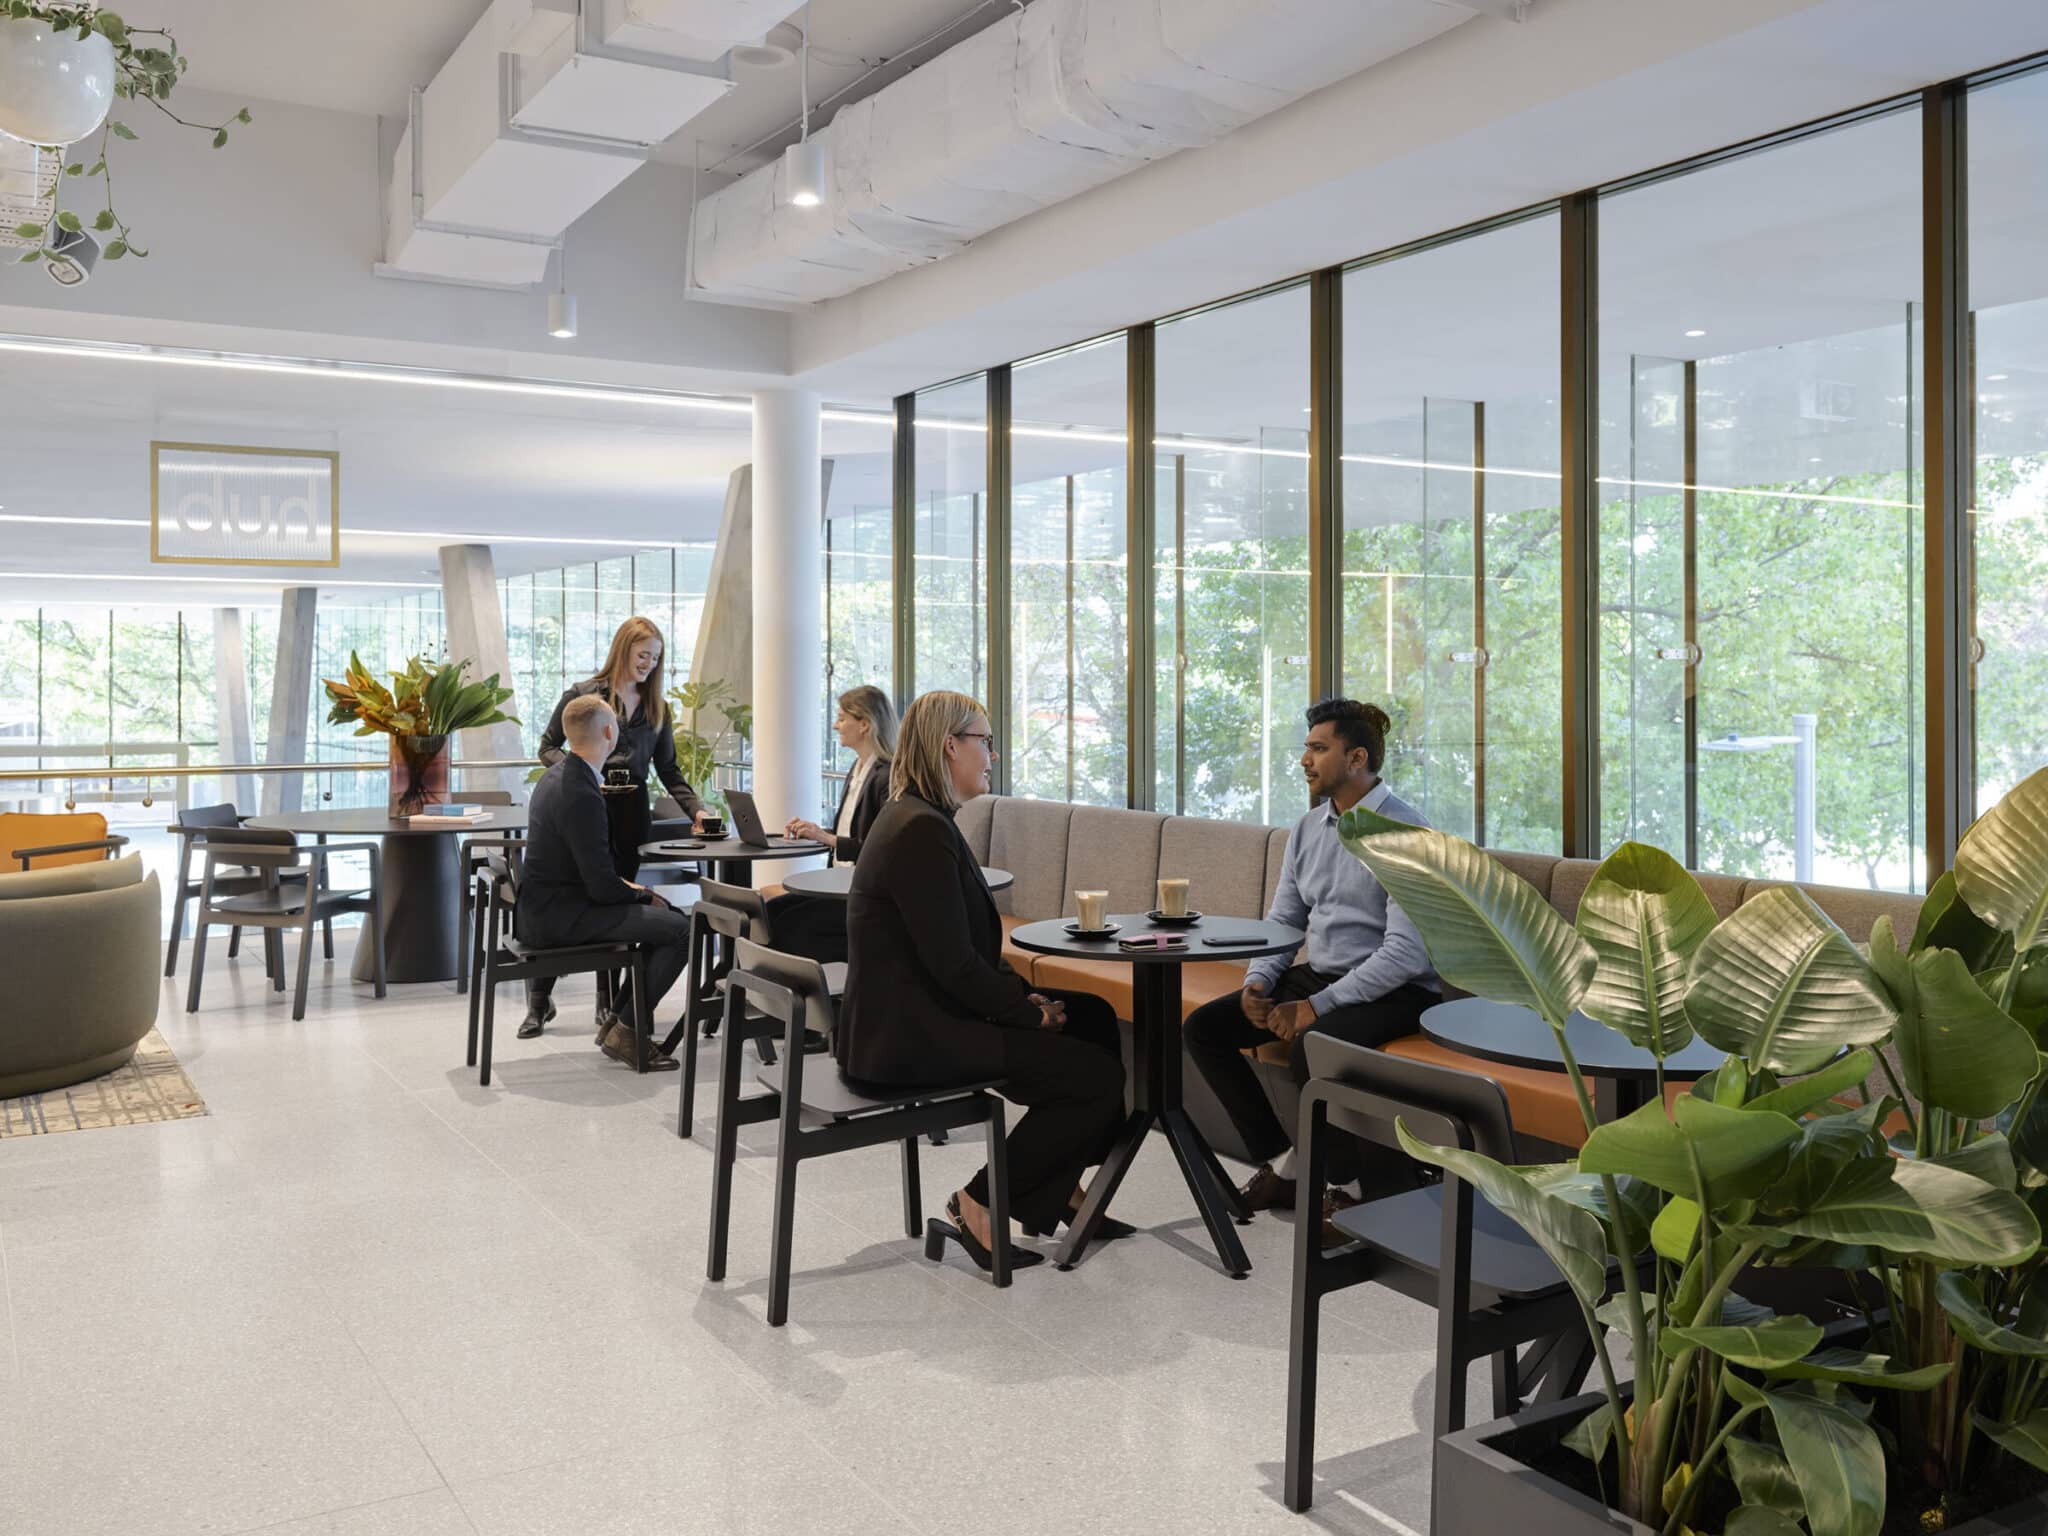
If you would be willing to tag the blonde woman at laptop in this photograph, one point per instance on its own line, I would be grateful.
(816, 925)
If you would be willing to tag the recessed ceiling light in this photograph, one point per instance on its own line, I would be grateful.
(1695, 334)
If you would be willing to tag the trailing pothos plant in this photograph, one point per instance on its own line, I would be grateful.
(1735, 1413)
(147, 67)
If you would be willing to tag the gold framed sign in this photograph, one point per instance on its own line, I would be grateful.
(224, 504)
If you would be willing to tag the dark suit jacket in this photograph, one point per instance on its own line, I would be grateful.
(641, 742)
(873, 796)
(927, 990)
(569, 890)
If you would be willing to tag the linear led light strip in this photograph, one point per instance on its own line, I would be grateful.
(388, 533)
(1205, 445)
(392, 373)
(272, 582)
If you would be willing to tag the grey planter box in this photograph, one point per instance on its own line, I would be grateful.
(1482, 1484)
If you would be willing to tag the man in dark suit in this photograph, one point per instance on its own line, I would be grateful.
(569, 890)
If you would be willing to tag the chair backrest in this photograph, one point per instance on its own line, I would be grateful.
(668, 808)
(749, 903)
(1440, 1105)
(487, 797)
(30, 829)
(209, 816)
(804, 979)
(209, 840)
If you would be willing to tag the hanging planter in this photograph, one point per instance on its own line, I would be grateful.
(55, 88)
(63, 66)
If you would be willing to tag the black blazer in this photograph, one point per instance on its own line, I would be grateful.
(642, 742)
(873, 796)
(569, 890)
(927, 988)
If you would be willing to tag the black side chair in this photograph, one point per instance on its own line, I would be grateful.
(499, 957)
(820, 1112)
(1493, 1289)
(474, 852)
(282, 901)
(199, 819)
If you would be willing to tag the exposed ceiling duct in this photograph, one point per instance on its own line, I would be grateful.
(1042, 105)
(545, 107)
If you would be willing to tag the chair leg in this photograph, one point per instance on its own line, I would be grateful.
(643, 1015)
(473, 958)
(198, 962)
(1305, 1323)
(998, 1194)
(788, 1156)
(327, 937)
(464, 922)
(234, 943)
(913, 1194)
(686, 1102)
(178, 905)
(725, 1142)
(305, 962)
(273, 958)
(376, 924)
(488, 982)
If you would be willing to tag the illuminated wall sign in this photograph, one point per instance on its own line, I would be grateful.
(216, 504)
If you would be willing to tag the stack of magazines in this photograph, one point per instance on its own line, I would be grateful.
(442, 815)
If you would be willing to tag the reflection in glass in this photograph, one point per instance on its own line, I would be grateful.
(1067, 576)
(1787, 278)
(1232, 558)
(951, 478)
(1451, 527)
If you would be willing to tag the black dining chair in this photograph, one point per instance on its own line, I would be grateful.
(473, 852)
(820, 1112)
(289, 895)
(498, 955)
(1493, 1289)
(227, 882)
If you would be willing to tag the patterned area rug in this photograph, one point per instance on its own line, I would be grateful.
(150, 1087)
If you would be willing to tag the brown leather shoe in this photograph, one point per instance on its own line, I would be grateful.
(618, 1044)
(1335, 1200)
(1267, 1191)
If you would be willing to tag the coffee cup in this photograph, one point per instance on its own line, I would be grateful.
(1173, 898)
(713, 825)
(1090, 904)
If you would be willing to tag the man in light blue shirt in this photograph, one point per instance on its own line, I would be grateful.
(1363, 975)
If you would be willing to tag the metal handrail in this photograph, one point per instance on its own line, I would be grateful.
(217, 770)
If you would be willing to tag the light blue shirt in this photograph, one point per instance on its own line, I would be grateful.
(1353, 926)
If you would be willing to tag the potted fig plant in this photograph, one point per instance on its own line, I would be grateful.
(1926, 1196)
(422, 708)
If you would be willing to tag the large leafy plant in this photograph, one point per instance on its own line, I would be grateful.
(1733, 1411)
(423, 700)
(696, 752)
(147, 67)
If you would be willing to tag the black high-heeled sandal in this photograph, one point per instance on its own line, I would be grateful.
(1107, 1230)
(938, 1233)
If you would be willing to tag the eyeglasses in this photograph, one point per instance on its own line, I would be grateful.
(986, 738)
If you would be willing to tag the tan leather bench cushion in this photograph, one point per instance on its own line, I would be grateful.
(1540, 1103)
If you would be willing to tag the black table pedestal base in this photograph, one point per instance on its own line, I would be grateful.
(1156, 1098)
(422, 888)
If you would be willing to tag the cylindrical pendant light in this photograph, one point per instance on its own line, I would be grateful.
(803, 163)
(562, 303)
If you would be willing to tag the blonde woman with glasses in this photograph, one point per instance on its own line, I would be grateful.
(815, 926)
(930, 1000)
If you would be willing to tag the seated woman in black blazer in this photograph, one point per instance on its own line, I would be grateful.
(815, 926)
(930, 1000)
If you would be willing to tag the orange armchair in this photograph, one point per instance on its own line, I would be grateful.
(45, 841)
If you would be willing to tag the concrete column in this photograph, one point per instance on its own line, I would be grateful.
(231, 706)
(291, 696)
(724, 650)
(476, 634)
(789, 644)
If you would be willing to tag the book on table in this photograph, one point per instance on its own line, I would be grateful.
(450, 815)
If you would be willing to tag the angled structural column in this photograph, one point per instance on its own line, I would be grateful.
(476, 634)
(789, 642)
(291, 695)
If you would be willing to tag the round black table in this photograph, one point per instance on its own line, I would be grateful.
(838, 880)
(728, 855)
(1622, 1077)
(421, 874)
(1156, 1070)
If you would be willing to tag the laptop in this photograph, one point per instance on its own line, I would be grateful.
(746, 820)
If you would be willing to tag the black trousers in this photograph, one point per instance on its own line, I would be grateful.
(663, 931)
(811, 926)
(1071, 1084)
(1218, 1033)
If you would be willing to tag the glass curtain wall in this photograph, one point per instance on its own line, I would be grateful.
(1231, 558)
(2009, 506)
(1068, 581)
(858, 600)
(1760, 510)
(1452, 531)
(949, 495)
